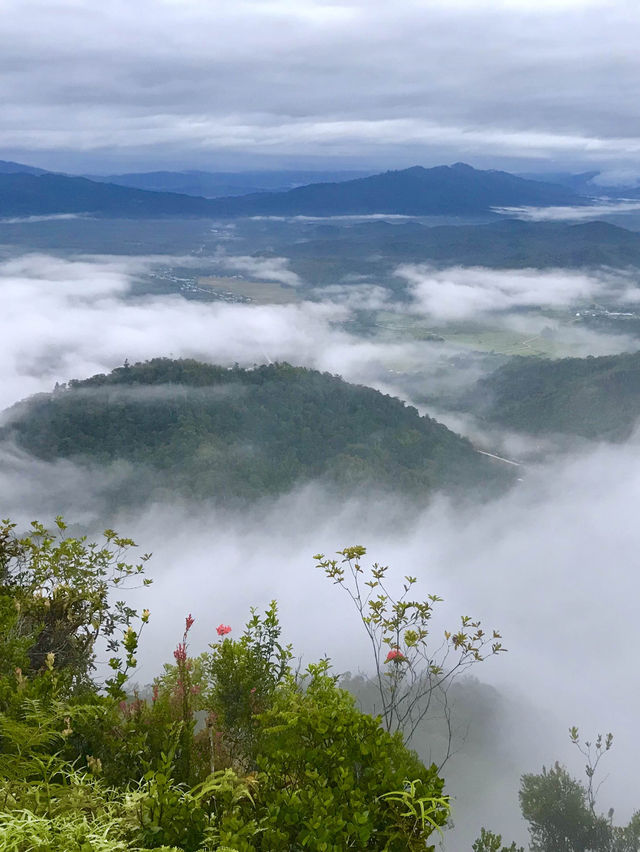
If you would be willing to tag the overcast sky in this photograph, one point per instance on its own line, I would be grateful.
(225, 84)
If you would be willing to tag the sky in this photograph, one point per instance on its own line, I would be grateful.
(224, 85)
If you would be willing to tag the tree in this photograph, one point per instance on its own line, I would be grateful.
(490, 842)
(555, 806)
(411, 670)
(561, 811)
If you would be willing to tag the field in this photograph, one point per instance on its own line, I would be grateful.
(261, 292)
(480, 338)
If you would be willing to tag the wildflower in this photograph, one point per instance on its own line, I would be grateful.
(155, 692)
(180, 653)
(395, 655)
(50, 660)
(68, 729)
(145, 616)
(189, 623)
(223, 629)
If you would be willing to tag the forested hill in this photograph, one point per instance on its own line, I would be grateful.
(596, 398)
(507, 244)
(209, 431)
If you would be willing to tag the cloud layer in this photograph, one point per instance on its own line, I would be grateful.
(473, 293)
(188, 82)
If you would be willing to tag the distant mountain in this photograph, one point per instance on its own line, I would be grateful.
(445, 190)
(8, 168)
(207, 431)
(585, 183)
(47, 194)
(221, 184)
(597, 398)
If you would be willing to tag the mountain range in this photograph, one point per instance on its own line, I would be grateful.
(221, 184)
(443, 190)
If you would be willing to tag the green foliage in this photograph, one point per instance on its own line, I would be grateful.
(243, 676)
(423, 810)
(325, 769)
(555, 806)
(55, 603)
(208, 431)
(280, 763)
(490, 842)
(561, 811)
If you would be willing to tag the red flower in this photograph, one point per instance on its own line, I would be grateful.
(395, 654)
(223, 629)
(189, 622)
(180, 652)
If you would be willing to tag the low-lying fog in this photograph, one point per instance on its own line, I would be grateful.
(553, 564)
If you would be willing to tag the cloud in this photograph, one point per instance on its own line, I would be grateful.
(469, 293)
(266, 82)
(26, 220)
(552, 565)
(569, 214)
(266, 268)
(73, 318)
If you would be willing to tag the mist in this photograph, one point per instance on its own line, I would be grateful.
(551, 564)
(571, 214)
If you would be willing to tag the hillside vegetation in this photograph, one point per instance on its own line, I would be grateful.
(210, 431)
(597, 398)
(377, 248)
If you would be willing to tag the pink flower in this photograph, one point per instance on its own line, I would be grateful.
(395, 655)
(180, 652)
(223, 629)
(189, 623)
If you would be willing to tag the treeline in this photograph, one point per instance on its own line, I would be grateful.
(209, 431)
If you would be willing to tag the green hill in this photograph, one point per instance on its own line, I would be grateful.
(596, 398)
(208, 431)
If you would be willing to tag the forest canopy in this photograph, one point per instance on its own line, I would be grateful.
(211, 431)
